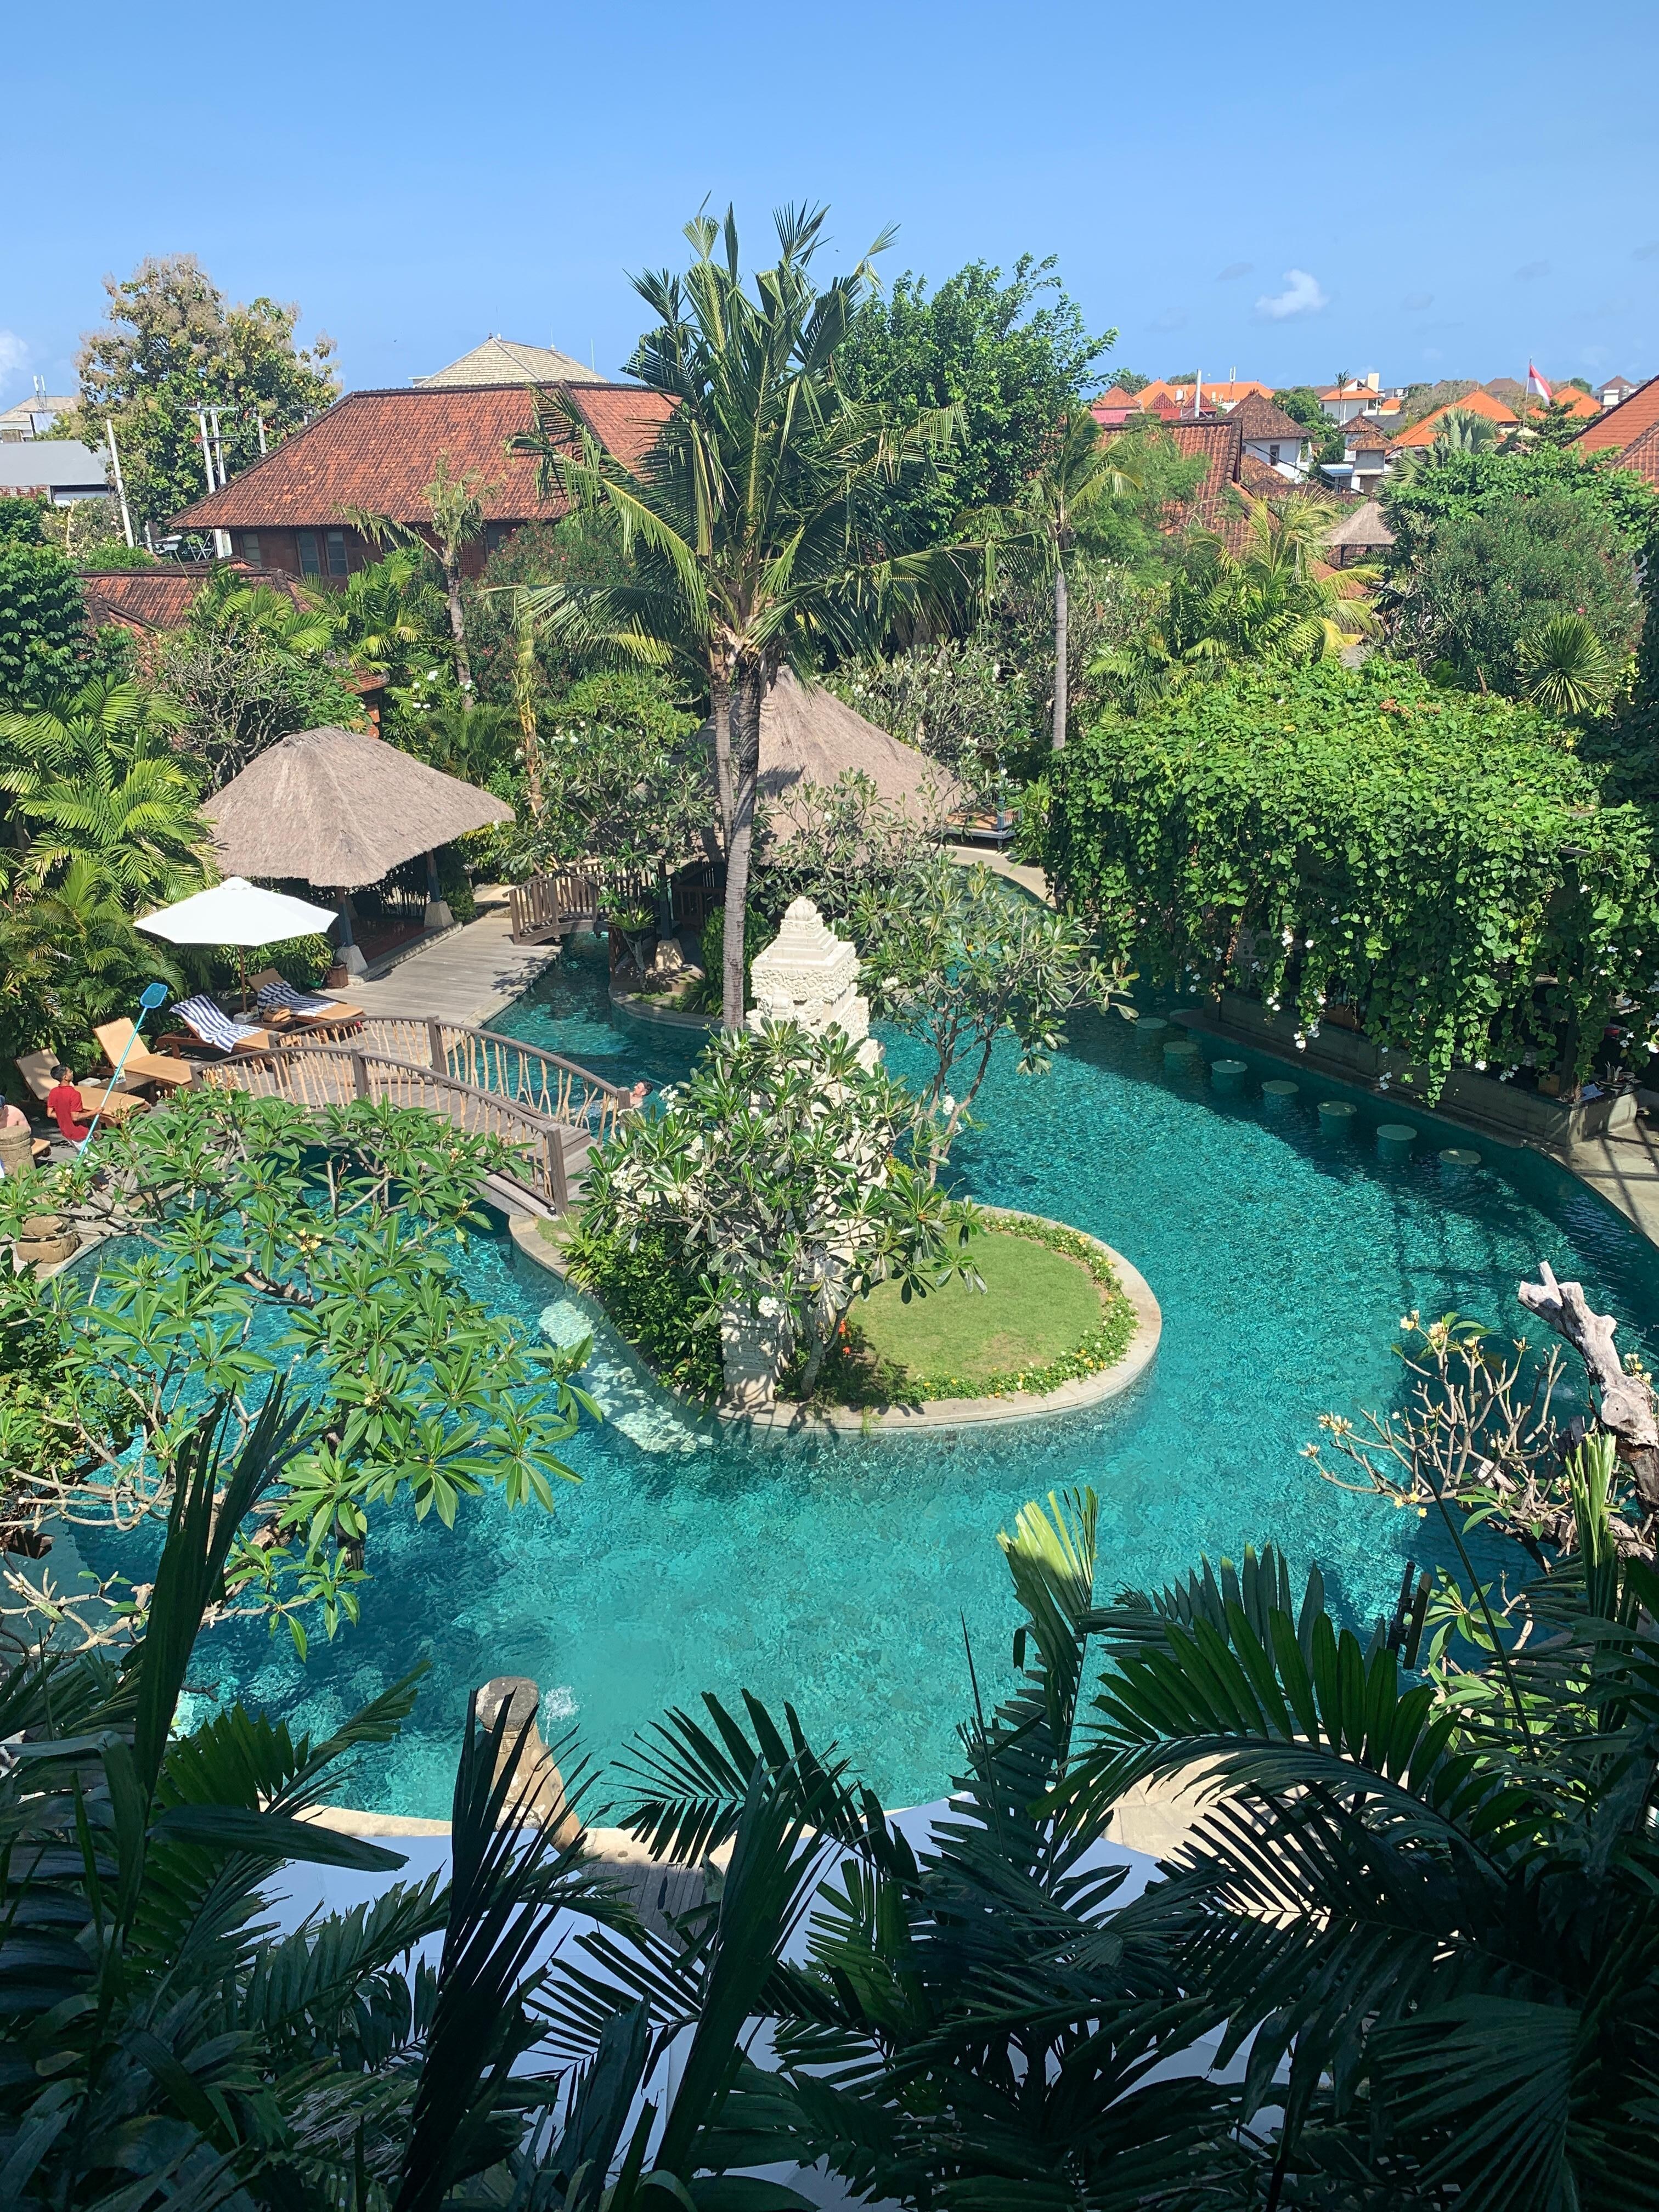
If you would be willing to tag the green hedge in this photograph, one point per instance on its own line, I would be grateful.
(1440, 860)
(655, 1299)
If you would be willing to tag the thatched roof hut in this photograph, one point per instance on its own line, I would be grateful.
(340, 809)
(813, 737)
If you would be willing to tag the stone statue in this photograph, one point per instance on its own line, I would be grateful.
(538, 1790)
(810, 975)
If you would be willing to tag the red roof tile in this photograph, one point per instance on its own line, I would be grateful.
(1617, 430)
(379, 450)
(1259, 418)
(154, 599)
(1642, 454)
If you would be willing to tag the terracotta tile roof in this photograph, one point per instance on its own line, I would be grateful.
(504, 360)
(1473, 403)
(1259, 418)
(1619, 428)
(157, 599)
(1642, 454)
(379, 450)
(1577, 402)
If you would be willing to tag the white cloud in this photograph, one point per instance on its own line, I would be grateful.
(1302, 295)
(13, 353)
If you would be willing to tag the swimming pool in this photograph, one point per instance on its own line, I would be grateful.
(840, 1573)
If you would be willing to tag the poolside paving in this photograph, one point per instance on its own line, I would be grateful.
(1625, 1169)
(467, 975)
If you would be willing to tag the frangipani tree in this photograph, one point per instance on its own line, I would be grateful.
(783, 1166)
(751, 522)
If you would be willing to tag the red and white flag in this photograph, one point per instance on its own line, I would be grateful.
(1537, 384)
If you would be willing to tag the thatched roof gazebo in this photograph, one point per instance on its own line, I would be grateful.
(813, 737)
(340, 810)
(1360, 537)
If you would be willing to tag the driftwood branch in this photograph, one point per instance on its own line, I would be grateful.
(1626, 1401)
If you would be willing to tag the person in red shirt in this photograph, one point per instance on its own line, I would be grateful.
(64, 1106)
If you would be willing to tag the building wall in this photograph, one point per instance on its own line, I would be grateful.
(307, 553)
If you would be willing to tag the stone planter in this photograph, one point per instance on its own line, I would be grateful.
(17, 1149)
(46, 1242)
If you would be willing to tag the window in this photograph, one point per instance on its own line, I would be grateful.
(251, 548)
(1273, 451)
(307, 542)
(495, 536)
(336, 553)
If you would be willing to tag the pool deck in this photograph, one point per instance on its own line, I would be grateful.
(1625, 1170)
(467, 975)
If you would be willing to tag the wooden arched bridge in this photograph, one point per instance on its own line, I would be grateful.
(547, 1109)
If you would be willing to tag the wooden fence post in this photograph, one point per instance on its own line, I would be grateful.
(558, 1174)
(359, 1076)
(435, 1037)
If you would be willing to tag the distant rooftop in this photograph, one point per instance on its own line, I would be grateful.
(504, 360)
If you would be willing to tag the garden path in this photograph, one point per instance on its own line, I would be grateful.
(465, 975)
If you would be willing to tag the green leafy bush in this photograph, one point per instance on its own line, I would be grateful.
(42, 621)
(302, 961)
(1441, 861)
(653, 1291)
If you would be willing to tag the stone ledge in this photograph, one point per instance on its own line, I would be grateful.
(792, 1417)
(634, 1007)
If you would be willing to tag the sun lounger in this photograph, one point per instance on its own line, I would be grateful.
(35, 1068)
(142, 1066)
(277, 998)
(210, 1026)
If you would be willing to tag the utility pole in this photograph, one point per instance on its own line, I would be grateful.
(260, 425)
(207, 450)
(221, 538)
(120, 486)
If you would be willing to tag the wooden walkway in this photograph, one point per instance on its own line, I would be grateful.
(1625, 1170)
(466, 975)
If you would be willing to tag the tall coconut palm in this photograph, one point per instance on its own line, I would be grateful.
(1064, 505)
(752, 522)
(456, 506)
(91, 776)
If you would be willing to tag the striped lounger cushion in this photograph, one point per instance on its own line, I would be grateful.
(212, 1027)
(283, 997)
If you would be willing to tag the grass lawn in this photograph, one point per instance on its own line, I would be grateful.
(1039, 1308)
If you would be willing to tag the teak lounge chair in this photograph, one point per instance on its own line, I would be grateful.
(141, 1066)
(280, 1001)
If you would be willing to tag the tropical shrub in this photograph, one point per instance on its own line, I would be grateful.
(956, 957)
(1441, 861)
(656, 1297)
(302, 961)
(626, 777)
(249, 667)
(783, 1172)
(71, 958)
(90, 775)
(1491, 579)
(259, 1239)
(42, 617)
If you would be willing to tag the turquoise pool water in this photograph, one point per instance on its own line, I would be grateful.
(840, 1574)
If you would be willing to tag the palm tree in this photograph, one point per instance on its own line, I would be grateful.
(1063, 505)
(524, 697)
(751, 523)
(1564, 666)
(456, 506)
(92, 777)
(1461, 431)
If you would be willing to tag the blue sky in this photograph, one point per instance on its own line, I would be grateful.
(1431, 191)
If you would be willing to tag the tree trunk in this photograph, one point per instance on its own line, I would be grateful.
(458, 631)
(744, 769)
(720, 713)
(1060, 648)
(1626, 1402)
(524, 686)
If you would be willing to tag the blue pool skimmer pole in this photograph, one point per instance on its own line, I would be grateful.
(152, 995)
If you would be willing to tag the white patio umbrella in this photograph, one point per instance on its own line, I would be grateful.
(237, 912)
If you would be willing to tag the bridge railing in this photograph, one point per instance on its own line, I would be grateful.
(543, 1081)
(320, 1075)
(551, 904)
